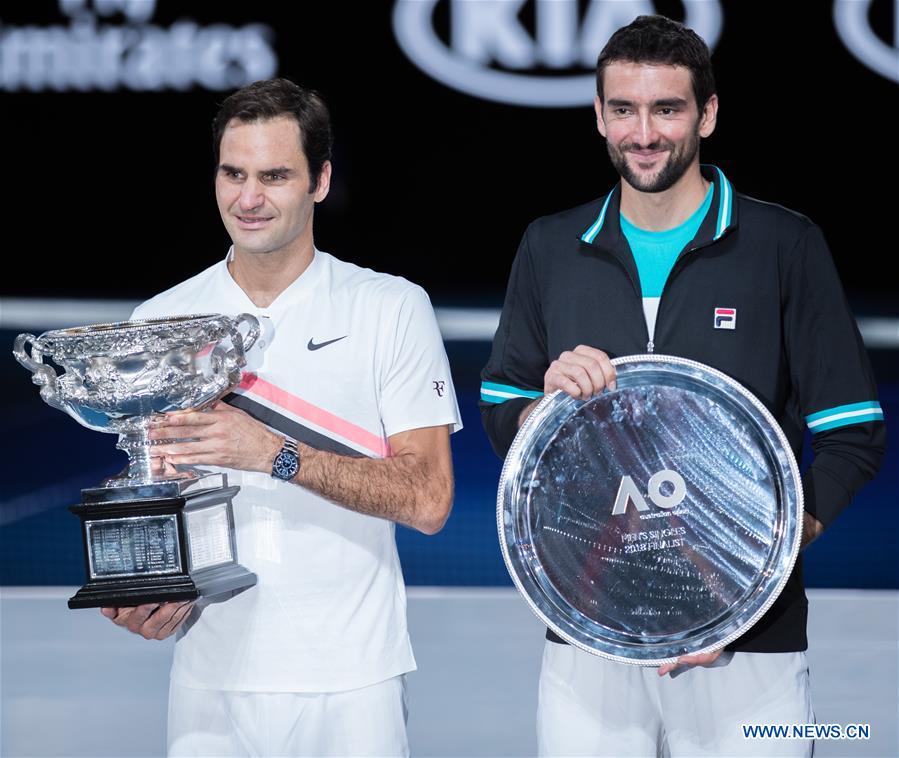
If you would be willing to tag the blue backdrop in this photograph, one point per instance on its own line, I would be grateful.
(50, 458)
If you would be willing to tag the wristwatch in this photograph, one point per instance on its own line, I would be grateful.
(287, 461)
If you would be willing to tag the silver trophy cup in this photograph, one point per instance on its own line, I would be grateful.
(149, 536)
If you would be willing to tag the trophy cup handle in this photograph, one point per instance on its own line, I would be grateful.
(252, 333)
(41, 374)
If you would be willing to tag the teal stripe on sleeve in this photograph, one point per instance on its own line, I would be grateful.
(844, 415)
(499, 393)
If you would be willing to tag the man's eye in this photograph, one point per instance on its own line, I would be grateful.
(274, 177)
(667, 111)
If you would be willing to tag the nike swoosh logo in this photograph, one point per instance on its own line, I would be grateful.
(313, 346)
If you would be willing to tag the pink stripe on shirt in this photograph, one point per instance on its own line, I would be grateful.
(312, 413)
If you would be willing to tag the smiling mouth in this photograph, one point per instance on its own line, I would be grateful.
(253, 220)
(647, 156)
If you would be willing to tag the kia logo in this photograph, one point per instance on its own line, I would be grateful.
(853, 25)
(492, 55)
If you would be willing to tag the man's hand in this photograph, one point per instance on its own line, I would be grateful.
(154, 621)
(811, 529)
(703, 659)
(221, 436)
(581, 373)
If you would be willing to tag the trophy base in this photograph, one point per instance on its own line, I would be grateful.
(209, 583)
(123, 489)
(159, 543)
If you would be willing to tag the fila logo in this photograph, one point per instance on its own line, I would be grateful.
(628, 492)
(725, 318)
(539, 53)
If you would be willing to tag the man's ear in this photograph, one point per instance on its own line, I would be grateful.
(600, 124)
(324, 182)
(709, 117)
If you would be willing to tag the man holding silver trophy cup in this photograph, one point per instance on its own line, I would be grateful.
(338, 429)
(660, 353)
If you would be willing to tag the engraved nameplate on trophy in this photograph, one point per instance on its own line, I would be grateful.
(133, 546)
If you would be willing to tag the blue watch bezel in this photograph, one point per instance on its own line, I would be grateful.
(286, 463)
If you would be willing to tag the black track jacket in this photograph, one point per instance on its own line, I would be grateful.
(795, 344)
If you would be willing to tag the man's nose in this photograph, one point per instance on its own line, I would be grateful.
(645, 132)
(251, 195)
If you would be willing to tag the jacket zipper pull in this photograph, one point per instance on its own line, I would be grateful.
(650, 346)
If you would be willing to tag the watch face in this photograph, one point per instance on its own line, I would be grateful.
(285, 465)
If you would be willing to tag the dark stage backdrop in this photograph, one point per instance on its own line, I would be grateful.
(107, 168)
(109, 193)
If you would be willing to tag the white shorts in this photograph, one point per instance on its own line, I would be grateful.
(592, 706)
(370, 721)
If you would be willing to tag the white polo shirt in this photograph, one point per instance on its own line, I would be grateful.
(347, 358)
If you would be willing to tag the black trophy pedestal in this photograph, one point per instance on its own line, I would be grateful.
(157, 543)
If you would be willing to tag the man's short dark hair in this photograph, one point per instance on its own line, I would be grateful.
(659, 40)
(271, 98)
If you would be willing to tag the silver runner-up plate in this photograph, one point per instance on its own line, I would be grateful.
(656, 520)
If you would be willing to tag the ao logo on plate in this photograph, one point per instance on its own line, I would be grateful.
(628, 492)
(491, 54)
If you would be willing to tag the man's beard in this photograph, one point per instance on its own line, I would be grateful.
(675, 166)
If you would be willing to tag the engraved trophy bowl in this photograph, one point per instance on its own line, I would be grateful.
(148, 536)
(659, 519)
(118, 376)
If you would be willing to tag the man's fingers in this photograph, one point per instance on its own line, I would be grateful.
(603, 362)
(163, 434)
(175, 450)
(137, 617)
(173, 422)
(583, 369)
(569, 387)
(600, 375)
(179, 614)
(160, 624)
(186, 418)
(122, 615)
(564, 377)
(700, 659)
(568, 384)
(152, 620)
(580, 376)
(610, 376)
(592, 352)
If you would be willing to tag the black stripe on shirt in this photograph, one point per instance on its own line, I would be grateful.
(290, 427)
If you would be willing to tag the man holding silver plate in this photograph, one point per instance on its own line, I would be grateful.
(660, 352)
(338, 429)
